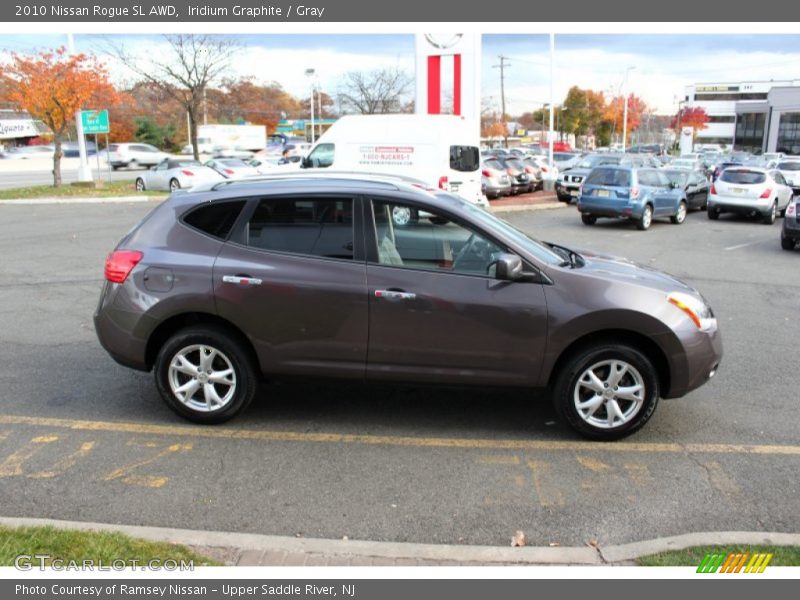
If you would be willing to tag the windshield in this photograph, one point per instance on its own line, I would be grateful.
(522, 239)
(743, 177)
(593, 160)
(789, 166)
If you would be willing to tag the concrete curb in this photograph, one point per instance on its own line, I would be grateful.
(530, 555)
(523, 207)
(79, 200)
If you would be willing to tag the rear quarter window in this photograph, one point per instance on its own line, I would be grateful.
(215, 219)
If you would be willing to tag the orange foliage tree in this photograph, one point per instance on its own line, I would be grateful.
(52, 86)
(694, 117)
(615, 109)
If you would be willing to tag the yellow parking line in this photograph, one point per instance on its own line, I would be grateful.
(391, 440)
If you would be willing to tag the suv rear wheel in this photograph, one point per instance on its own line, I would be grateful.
(770, 217)
(205, 375)
(607, 391)
(646, 219)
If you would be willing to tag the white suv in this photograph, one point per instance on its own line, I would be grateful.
(134, 155)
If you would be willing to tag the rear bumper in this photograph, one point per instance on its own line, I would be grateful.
(791, 228)
(619, 208)
(739, 205)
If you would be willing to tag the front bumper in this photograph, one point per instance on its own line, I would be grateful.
(702, 357)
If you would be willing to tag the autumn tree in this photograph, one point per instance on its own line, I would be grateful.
(191, 63)
(375, 92)
(694, 117)
(614, 112)
(52, 86)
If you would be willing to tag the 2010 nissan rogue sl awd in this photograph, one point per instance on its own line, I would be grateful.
(229, 283)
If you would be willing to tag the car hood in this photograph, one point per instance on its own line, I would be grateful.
(575, 171)
(625, 270)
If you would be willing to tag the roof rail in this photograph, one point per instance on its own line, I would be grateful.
(316, 174)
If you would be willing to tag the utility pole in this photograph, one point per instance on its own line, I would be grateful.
(502, 67)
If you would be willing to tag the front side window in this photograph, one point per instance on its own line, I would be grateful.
(322, 156)
(431, 242)
(311, 226)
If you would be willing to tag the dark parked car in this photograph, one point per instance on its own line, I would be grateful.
(229, 283)
(790, 234)
(640, 195)
(693, 183)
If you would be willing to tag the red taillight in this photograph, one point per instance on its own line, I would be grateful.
(120, 263)
(187, 173)
(229, 171)
(443, 182)
(529, 169)
(790, 210)
(510, 171)
(544, 168)
(766, 193)
(635, 192)
(486, 173)
(713, 189)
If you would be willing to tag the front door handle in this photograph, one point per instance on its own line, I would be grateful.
(394, 295)
(241, 280)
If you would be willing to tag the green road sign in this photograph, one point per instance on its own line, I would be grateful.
(94, 121)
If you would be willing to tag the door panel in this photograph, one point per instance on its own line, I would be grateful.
(304, 304)
(456, 328)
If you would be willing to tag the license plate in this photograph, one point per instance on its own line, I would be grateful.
(738, 190)
(574, 193)
(603, 193)
(454, 187)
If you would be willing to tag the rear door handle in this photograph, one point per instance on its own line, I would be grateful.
(394, 295)
(241, 280)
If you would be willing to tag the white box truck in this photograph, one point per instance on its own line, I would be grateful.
(251, 138)
(441, 150)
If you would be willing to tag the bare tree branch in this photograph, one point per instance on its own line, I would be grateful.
(376, 92)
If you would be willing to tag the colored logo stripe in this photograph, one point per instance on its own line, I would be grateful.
(734, 562)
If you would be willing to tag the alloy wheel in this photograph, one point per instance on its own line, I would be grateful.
(609, 394)
(202, 378)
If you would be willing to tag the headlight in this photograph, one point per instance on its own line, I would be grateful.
(697, 310)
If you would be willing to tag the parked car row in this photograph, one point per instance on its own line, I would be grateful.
(179, 173)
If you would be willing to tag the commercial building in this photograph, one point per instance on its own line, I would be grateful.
(772, 125)
(722, 103)
(17, 128)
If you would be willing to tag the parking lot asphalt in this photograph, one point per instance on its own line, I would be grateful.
(82, 438)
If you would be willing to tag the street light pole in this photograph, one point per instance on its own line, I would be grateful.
(84, 171)
(310, 73)
(625, 110)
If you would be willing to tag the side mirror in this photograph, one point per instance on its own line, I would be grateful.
(508, 267)
(305, 163)
(673, 185)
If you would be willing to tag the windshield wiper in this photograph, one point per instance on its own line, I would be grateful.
(573, 259)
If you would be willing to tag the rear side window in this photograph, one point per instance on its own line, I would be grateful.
(465, 158)
(742, 176)
(790, 166)
(215, 219)
(493, 164)
(613, 177)
(316, 227)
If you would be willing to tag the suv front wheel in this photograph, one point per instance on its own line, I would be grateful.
(205, 375)
(606, 392)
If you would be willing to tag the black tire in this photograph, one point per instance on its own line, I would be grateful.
(677, 219)
(588, 219)
(769, 218)
(219, 339)
(712, 213)
(576, 365)
(140, 187)
(644, 222)
(174, 184)
(787, 243)
(114, 167)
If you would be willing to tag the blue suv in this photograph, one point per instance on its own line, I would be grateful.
(639, 194)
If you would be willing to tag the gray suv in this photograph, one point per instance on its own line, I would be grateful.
(234, 282)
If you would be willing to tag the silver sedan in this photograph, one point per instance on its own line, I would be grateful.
(175, 173)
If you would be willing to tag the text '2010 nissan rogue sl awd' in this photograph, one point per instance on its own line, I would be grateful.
(231, 283)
